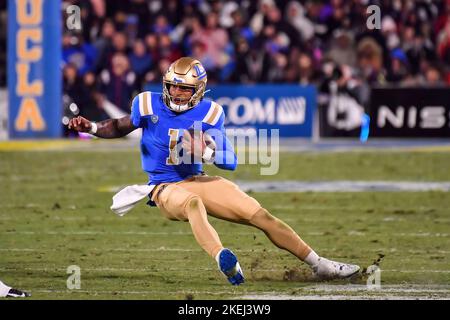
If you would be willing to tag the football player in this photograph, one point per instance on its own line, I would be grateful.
(9, 292)
(177, 117)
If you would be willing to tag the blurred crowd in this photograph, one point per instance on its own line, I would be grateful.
(125, 45)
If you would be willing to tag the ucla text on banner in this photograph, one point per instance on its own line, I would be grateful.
(289, 108)
(34, 71)
(410, 112)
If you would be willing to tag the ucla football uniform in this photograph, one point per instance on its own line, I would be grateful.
(162, 131)
(180, 190)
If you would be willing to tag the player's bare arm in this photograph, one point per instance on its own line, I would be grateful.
(107, 129)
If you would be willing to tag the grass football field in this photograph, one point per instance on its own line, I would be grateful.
(54, 213)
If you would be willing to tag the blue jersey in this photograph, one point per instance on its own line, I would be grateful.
(162, 131)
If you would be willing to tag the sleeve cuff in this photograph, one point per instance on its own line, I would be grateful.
(93, 129)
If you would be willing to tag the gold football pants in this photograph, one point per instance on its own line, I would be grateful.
(194, 198)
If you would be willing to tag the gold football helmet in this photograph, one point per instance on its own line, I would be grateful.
(186, 72)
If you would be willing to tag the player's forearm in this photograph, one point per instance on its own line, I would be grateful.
(112, 128)
(226, 160)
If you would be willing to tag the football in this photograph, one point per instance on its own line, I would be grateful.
(196, 142)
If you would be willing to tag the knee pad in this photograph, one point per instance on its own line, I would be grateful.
(175, 203)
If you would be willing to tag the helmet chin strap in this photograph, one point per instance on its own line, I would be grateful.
(178, 108)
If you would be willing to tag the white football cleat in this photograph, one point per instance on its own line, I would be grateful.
(328, 269)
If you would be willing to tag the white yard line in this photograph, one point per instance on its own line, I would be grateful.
(330, 186)
(255, 250)
(182, 233)
(298, 219)
(279, 207)
(143, 292)
(58, 218)
(103, 250)
(255, 296)
(334, 292)
(341, 186)
(336, 208)
(97, 232)
(384, 288)
(173, 269)
(339, 297)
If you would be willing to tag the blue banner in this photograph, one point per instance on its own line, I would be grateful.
(34, 74)
(289, 108)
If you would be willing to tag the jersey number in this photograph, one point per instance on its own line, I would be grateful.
(172, 159)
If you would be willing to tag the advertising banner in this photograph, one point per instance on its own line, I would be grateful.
(34, 72)
(410, 112)
(289, 108)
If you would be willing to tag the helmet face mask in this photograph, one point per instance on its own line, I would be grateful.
(185, 72)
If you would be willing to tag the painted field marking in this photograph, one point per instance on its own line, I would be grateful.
(183, 233)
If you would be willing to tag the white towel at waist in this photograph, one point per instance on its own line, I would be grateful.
(128, 197)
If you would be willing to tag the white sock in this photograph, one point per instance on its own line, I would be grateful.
(312, 258)
(218, 255)
(4, 289)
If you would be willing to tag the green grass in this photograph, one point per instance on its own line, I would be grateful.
(53, 214)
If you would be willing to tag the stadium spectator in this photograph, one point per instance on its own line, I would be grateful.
(151, 43)
(140, 60)
(155, 75)
(252, 64)
(116, 44)
(278, 66)
(399, 71)
(215, 39)
(389, 31)
(120, 43)
(131, 28)
(225, 10)
(443, 43)
(171, 11)
(167, 49)
(161, 25)
(200, 53)
(79, 53)
(307, 73)
(342, 49)
(322, 29)
(283, 29)
(92, 107)
(82, 90)
(433, 77)
(118, 84)
(257, 20)
(239, 28)
(370, 60)
(296, 16)
(274, 40)
(72, 83)
(103, 43)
